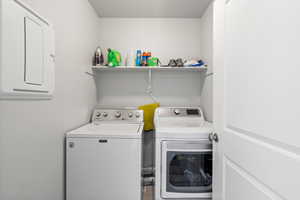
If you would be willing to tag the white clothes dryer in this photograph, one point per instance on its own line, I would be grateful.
(183, 154)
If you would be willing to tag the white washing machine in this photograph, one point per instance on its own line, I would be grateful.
(104, 158)
(183, 154)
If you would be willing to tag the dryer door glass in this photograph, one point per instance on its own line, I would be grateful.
(189, 172)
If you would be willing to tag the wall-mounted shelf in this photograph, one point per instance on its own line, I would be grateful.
(134, 68)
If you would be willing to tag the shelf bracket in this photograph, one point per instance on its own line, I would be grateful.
(90, 74)
(209, 74)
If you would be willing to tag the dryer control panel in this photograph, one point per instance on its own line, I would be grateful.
(179, 112)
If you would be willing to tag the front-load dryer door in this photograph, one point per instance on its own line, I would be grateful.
(186, 169)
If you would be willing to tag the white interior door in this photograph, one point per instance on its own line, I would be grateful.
(260, 136)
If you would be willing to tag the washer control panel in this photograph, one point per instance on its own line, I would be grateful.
(122, 115)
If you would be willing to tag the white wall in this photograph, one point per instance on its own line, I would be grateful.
(129, 88)
(206, 41)
(165, 38)
(32, 132)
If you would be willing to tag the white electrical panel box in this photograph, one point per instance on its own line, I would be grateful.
(26, 53)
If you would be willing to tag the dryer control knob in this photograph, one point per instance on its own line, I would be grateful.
(118, 114)
(130, 114)
(98, 115)
(177, 112)
(105, 114)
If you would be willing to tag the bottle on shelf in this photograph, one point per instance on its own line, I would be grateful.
(130, 59)
(144, 59)
(138, 60)
(98, 58)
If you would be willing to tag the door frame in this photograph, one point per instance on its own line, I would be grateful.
(218, 95)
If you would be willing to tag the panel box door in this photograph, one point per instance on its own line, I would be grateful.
(26, 53)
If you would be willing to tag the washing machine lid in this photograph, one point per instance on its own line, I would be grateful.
(108, 130)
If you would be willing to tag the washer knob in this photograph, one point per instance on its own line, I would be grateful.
(98, 114)
(177, 112)
(137, 115)
(130, 114)
(105, 114)
(118, 114)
